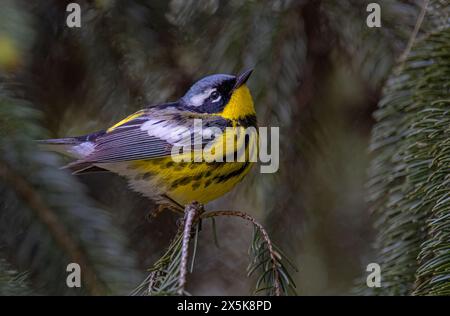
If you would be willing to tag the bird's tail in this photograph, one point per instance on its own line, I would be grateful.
(66, 146)
(76, 147)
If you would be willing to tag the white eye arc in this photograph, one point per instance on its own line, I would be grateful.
(215, 96)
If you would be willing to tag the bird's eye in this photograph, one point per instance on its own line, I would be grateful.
(215, 96)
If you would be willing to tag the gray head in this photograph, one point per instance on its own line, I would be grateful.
(210, 94)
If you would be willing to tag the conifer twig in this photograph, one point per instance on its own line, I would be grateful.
(272, 253)
(191, 212)
(168, 274)
(410, 44)
(48, 216)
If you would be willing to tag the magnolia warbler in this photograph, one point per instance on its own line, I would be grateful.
(140, 147)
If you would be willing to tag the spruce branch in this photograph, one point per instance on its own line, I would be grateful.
(191, 212)
(409, 185)
(256, 250)
(414, 34)
(274, 279)
(164, 276)
(168, 274)
(56, 228)
(13, 282)
(45, 213)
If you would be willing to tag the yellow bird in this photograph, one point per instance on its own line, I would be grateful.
(142, 146)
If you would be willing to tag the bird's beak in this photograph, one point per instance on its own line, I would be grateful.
(242, 78)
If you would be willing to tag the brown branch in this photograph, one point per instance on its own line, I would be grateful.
(265, 236)
(194, 213)
(191, 215)
(56, 228)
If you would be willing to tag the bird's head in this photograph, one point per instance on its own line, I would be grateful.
(225, 95)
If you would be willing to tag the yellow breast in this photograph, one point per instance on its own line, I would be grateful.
(203, 181)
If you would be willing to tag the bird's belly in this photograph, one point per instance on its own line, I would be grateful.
(183, 182)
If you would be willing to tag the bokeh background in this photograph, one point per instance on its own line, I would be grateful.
(318, 74)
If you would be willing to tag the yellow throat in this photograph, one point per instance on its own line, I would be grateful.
(240, 104)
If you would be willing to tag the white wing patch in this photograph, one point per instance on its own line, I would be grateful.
(178, 135)
(172, 133)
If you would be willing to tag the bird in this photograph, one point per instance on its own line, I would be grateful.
(141, 147)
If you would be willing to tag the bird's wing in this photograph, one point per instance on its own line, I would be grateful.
(148, 134)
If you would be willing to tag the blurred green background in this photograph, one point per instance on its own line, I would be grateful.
(318, 76)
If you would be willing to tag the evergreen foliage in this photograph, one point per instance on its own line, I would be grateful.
(409, 174)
